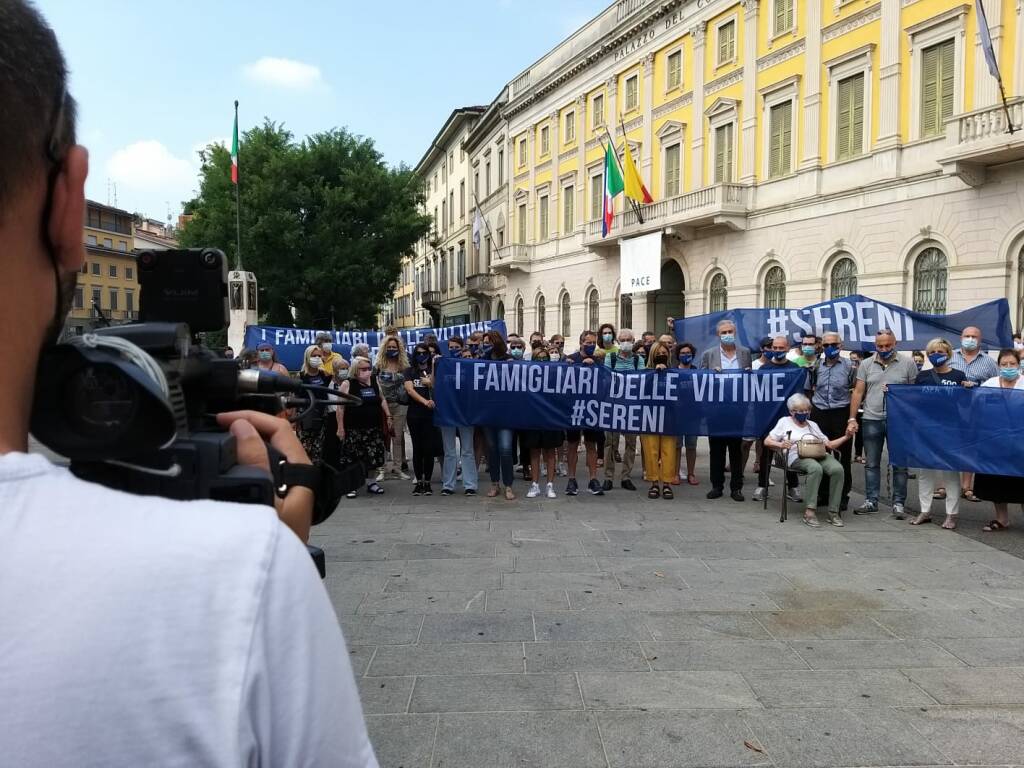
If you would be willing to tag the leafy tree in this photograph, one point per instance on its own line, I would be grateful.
(324, 222)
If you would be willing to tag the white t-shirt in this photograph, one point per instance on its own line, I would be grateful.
(138, 631)
(790, 429)
(995, 382)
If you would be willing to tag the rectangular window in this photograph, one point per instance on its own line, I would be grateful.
(85, 267)
(521, 223)
(726, 42)
(780, 140)
(568, 210)
(522, 152)
(112, 271)
(723, 153)
(476, 185)
(597, 112)
(129, 273)
(487, 178)
(545, 141)
(108, 243)
(97, 297)
(783, 19)
(570, 127)
(674, 71)
(672, 157)
(501, 237)
(96, 268)
(937, 72)
(543, 215)
(596, 196)
(444, 215)
(113, 298)
(79, 298)
(632, 93)
(501, 167)
(451, 207)
(850, 117)
(462, 199)
(122, 246)
(90, 239)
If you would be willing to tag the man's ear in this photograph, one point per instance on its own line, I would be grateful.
(67, 210)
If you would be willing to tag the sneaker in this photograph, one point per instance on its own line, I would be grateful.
(836, 520)
(714, 493)
(417, 490)
(380, 476)
(812, 522)
(627, 484)
(551, 491)
(867, 508)
(534, 491)
(793, 494)
(447, 492)
(403, 476)
(760, 493)
(736, 496)
(607, 486)
(470, 491)
(898, 512)
(572, 487)
(427, 490)
(595, 487)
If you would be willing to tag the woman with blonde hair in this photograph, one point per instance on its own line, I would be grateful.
(661, 452)
(311, 427)
(390, 367)
(361, 428)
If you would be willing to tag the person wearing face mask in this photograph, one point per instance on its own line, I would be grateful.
(874, 376)
(500, 440)
(1017, 343)
(786, 436)
(978, 367)
(311, 427)
(686, 355)
(587, 355)
(325, 341)
(461, 455)
(390, 367)
(808, 358)
(727, 356)
(266, 359)
(660, 452)
(361, 428)
(918, 357)
(556, 348)
(764, 347)
(778, 359)
(473, 343)
(623, 360)
(517, 352)
(831, 405)
(419, 387)
(536, 342)
(606, 338)
(1003, 490)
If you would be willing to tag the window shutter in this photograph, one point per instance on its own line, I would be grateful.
(945, 82)
(929, 91)
(856, 115)
(786, 138)
(720, 154)
(844, 118)
(780, 16)
(672, 171)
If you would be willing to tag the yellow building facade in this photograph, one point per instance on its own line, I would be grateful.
(796, 151)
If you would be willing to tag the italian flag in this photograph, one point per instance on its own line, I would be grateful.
(613, 185)
(234, 149)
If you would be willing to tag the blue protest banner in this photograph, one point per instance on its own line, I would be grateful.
(528, 395)
(290, 343)
(856, 319)
(970, 430)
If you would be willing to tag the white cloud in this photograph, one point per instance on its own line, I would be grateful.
(284, 73)
(150, 165)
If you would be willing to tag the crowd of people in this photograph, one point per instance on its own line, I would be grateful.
(838, 420)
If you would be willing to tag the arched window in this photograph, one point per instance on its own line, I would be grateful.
(775, 288)
(500, 313)
(519, 315)
(843, 278)
(626, 311)
(566, 315)
(930, 274)
(718, 299)
(540, 314)
(593, 310)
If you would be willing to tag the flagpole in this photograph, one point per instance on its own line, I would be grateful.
(990, 56)
(486, 223)
(622, 170)
(238, 206)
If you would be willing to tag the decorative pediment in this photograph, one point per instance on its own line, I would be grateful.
(721, 106)
(521, 195)
(670, 129)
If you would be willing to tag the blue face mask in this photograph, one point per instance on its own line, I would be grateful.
(588, 349)
(831, 352)
(485, 350)
(886, 354)
(728, 338)
(686, 358)
(970, 343)
(516, 352)
(607, 338)
(392, 353)
(920, 366)
(774, 354)
(801, 417)
(421, 357)
(808, 351)
(473, 349)
(1010, 374)
(454, 351)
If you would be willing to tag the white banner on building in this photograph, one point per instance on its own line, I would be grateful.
(640, 264)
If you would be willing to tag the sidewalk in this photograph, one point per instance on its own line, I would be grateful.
(620, 631)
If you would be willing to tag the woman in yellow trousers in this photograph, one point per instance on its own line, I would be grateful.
(660, 451)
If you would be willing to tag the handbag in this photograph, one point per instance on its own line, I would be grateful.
(810, 447)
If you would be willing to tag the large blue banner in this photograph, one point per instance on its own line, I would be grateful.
(527, 395)
(291, 343)
(856, 319)
(971, 430)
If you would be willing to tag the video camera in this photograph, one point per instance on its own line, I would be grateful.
(133, 406)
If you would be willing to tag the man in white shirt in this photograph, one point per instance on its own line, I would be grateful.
(138, 631)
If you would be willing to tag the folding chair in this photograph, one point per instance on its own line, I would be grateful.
(779, 458)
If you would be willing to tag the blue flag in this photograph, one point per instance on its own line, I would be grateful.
(856, 319)
(970, 430)
(528, 395)
(290, 343)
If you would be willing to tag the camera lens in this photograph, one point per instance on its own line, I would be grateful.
(104, 402)
(147, 260)
(209, 258)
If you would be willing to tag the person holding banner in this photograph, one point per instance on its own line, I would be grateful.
(361, 428)
(390, 366)
(586, 355)
(330, 357)
(686, 355)
(463, 455)
(419, 386)
(500, 441)
(778, 359)
(978, 367)
(266, 359)
(831, 404)
(1003, 490)
(623, 361)
(311, 428)
(726, 357)
(874, 376)
(661, 452)
(606, 338)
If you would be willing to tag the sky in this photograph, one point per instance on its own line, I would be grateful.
(156, 81)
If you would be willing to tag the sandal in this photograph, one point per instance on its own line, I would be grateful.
(921, 520)
(666, 492)
(968, 493)
(950, 524)
(654, 493)
(351, 495)
(939, 494)
(375, 488)
(509, 495)
(493, 491)
(692, 480)
(995, 525)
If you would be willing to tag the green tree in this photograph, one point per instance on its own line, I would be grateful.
(324, 222)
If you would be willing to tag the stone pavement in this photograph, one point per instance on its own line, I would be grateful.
(620, 631)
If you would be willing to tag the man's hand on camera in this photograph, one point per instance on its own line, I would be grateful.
(251, 429)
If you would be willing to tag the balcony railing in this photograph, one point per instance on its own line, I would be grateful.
(516, 256)
(626, 8)
(980, 138)
(483, 284)
(431, 299)
(990, 124)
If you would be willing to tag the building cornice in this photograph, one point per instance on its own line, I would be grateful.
(785, 53)
(671, 106)
(852, 22)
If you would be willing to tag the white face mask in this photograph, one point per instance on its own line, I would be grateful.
(327, 347)
(626, 347)
(315, 362)
(555, 357)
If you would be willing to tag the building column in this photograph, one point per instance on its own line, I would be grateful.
(889, 70)
(811, 153)
(647, 150)
(697, 34)
(531, 201)
(554, 219)
(582, 212)
(611, 112)
(1018, 56)
(749, 122)
(986, 89)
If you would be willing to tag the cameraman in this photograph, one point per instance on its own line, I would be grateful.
(138, 631)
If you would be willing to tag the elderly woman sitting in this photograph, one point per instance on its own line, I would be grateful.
(797, 429)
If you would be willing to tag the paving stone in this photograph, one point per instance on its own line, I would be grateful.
(835, 688)
(519, 740)
(343, 600)
(381, 629)
(402, 741)
(677, 740)
(873, 654)
(723, 655)
(970, 735)
(675, 565)
(443, 551)
(840, 738)
(585, 656)
(799, 599)
(666, 690)
(736, 582)
(719, 550)
(477, 628)
(385, 695)
(447, 659)
(987, 652)
(524, 600)
(423, 602)
(359, 657)
(495, 693)
(698, 625)
(971, 686)
(536, 549)
(591, 625)
(825, 625)
(548, 581)
(354, 550)
(988, 622)
(557, 564)
(681, 599)
(621, 549)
